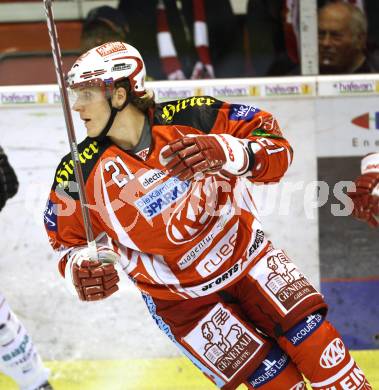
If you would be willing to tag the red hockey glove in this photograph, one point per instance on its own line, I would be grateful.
(93, 279)
(193, 155)
(366, 198)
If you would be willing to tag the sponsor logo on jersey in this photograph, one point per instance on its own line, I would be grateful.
(367, 121)
(240, 112)
(219, 254)
(275, 362)
(226, 213)
(353, 380)
(333, 354)
(195, 212)
(50, 217)
(65, 173)
(151, 177)
(170, 110)
(110, 47)
(195, 252)
(223, 279)
(304, 329)
(257, 244)
(161, 197)
(223, 341)
(282, 280)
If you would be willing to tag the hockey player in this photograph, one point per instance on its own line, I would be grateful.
(169, 191)
(366, 196)
(18, 356)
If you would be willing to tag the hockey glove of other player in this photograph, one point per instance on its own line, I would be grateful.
(8, 179)
(366, 196)
(193, 155)
(93, 279)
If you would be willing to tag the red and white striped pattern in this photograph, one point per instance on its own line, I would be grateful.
(171, 63)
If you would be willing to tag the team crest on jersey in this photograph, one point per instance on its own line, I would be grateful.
(239, 112)
(223, 342)
(194, 213)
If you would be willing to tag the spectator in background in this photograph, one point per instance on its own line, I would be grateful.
(274, 36)
(342, 40)
(102, 24)
(273, 32)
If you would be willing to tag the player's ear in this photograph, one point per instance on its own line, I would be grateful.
(119, 97)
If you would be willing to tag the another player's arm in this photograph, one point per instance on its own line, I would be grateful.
(90, 279)
(252, 146)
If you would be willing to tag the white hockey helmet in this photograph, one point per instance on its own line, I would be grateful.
(103, 65)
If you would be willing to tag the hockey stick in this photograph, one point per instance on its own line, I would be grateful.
(56, 51)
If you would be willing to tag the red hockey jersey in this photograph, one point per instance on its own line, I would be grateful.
(177, 239)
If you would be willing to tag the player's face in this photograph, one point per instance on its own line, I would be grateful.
(93, 109)
(338, 46)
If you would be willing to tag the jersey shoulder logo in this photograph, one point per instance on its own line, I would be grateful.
(89, 152)
(196, 111)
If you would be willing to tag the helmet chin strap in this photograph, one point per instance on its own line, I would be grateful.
(101, 137)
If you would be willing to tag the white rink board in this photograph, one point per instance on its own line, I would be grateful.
(120, 327)
(337, 136)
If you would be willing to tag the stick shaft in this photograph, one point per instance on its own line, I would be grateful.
(56, 51)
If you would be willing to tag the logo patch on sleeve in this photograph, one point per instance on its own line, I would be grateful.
(242, 112)
(50, 217)
(223, 342)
